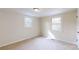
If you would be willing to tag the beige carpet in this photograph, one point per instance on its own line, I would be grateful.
(40, 43)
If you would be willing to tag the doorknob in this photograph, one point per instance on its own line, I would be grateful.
(76, 40)
(77, 32)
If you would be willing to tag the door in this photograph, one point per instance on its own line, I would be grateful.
(77, 33)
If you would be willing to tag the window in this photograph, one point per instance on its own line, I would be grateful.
(56, 23)
(28, 22)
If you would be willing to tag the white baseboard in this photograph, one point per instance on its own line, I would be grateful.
(17, 41)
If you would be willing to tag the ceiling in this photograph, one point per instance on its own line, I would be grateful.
(43, 11)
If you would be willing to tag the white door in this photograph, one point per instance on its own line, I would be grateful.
(77, 28)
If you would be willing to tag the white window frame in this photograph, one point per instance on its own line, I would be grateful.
(28, 22)
(56, 23)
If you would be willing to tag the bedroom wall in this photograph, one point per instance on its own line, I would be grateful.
(68, 27)
(12, 28)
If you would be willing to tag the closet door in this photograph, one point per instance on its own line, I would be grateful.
(77, 33)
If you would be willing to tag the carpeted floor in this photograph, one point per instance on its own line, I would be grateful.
(40, 43)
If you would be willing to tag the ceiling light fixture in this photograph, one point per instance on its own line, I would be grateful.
(36, 9)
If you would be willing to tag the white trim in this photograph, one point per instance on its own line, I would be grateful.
(16, 41)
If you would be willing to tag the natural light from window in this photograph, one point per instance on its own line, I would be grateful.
(27, 22)
(56, 23)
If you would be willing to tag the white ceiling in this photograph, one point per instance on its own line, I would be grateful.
(41, 13)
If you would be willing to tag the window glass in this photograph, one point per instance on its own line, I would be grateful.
(28, 22)
(56, 23)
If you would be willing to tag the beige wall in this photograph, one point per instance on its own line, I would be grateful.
(68, 27)
(12, 28)
(45, 25)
